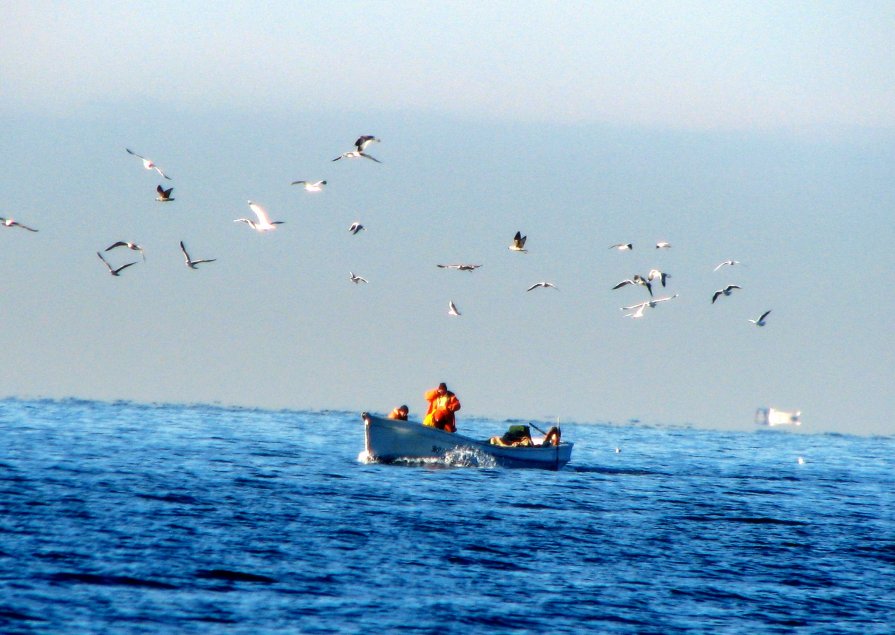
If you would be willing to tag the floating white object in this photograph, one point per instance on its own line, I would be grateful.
(775, 417)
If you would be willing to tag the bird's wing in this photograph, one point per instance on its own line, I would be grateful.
(120, 243)
(104, 261)
(622, 283)
(534, 286)
(260, 212)
(30, 229)
(372, 158)
(764, 315)
(301, 182)
(135, 154)
(715, 296)
(122, 267)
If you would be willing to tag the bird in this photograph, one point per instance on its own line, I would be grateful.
(725, 291)
(761, 320)
(263, 224)
(637, 279)
(663, 245)
(638, 313)
(460, 267)
(356, 227)
(8, 222)
(656, 274)
(311, 186)
(189, 261)
(164, 196)
(543, 284)
(114, 272)
(130, 245)
(518, 243)
(727, 262)
(623, 246)
(355, 279)
(359, 146)
(148, 163)
(649, 303)
(452, 308)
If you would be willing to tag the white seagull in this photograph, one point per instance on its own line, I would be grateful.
(663, 245)
(623, 246)
(460, 267)
(543, 284)
(356, 227)
(8, 222)
(727, 262)
(359, 147)
(114, 272)
(148, 163)
(655, 274)
(311, 186)
(452, 308)
(189, 261)
(637, 279)
(130, 245)
(725, 291)
(164, 196)
(355, 279)
(648, 304)
(761, 320)
(518, 243)
(263, 224)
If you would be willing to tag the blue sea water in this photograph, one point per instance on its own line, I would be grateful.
(131, 518)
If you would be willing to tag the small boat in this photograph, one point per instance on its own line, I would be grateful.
(775, 417)
(390, 440)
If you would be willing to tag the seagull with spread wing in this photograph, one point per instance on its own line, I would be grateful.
(149, 164)
(518, 243)
(359, 149)
(189, 261)
(310, 186)
(545, 285)
(725, 291)
(130, 245)
(114, 272)
(761, 320)
(263, 224)
(8, 222)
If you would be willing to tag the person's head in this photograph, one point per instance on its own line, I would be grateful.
(442, 388)
(403, 409)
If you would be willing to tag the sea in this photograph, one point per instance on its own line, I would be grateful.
(121, 517)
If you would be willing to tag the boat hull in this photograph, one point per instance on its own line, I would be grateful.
(390, 440)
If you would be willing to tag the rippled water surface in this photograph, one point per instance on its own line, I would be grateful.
(125, 518)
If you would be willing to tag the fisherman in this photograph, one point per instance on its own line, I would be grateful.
(442, 406)
(400, 413)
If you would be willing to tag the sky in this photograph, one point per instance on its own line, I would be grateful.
(761, 132)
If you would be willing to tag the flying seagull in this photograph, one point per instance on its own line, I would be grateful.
(637, 279)
(543, 284)
(649, 303)
(148, 163)
(663, 245)
(189, 261)
(130, 245)
(727, 262)
(164, 196)
(114, 272)
(356, 227)
(461, 267)
(760, 321)
(310, 186)
(355, 279)
(452, 308)
(8, 222)
(655, 274)
(623, 246)
(518, 243)
(725, 291)
(263, 224)
(359, 149)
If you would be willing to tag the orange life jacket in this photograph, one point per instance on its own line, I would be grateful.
(396, 414)
(441, 410)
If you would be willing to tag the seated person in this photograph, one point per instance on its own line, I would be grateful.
(400, 413)
(520, 436)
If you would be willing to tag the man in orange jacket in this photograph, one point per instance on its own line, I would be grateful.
(442, 406)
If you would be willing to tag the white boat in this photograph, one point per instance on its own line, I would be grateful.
(390, 440)
(775, 417)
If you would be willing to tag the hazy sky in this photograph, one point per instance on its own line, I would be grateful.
(763, 132)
